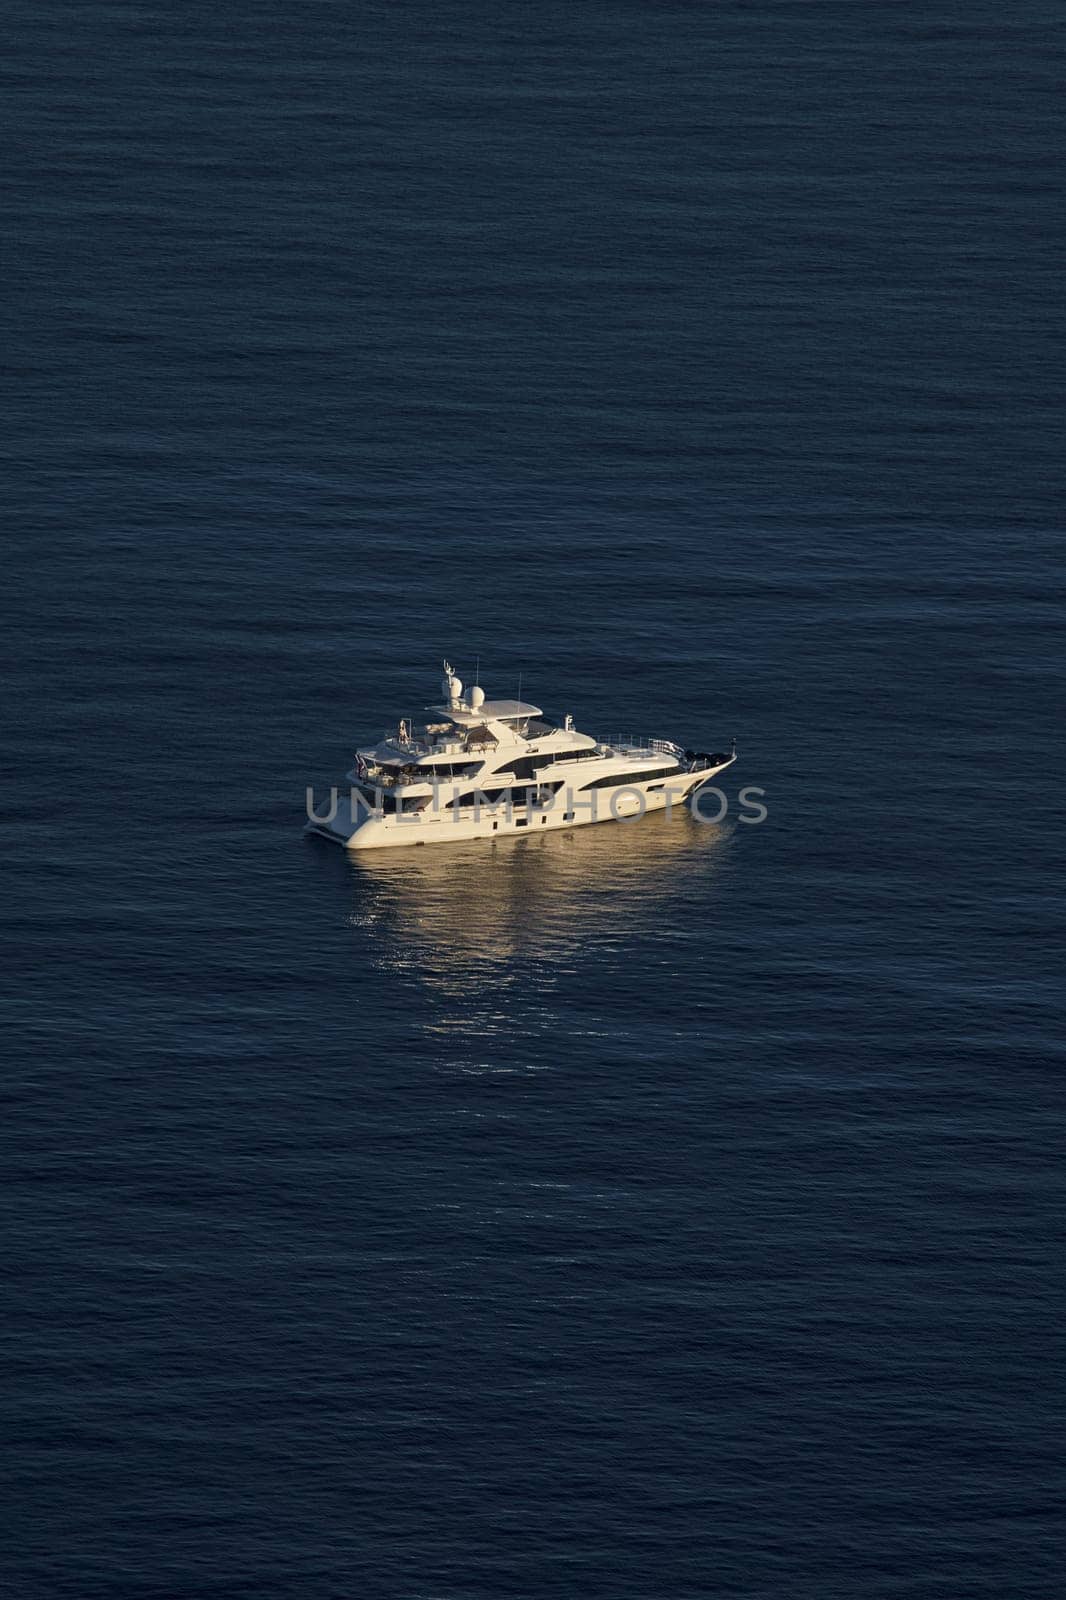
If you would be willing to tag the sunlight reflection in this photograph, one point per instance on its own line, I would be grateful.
(477, 920)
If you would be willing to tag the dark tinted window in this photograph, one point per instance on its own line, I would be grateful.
(519, 767)
(529, 766)
(618, 780)
(571, 755)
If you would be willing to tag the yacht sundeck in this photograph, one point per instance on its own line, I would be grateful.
(484, 768)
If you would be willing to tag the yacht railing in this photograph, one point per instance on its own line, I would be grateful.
(437, 744)
(632, 744)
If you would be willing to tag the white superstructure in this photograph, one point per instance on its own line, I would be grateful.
(484, 768)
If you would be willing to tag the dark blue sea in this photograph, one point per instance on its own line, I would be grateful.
(647, 1212)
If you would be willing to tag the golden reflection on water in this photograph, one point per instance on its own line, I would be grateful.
(474, 920)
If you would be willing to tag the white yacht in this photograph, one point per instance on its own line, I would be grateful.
(482, 768)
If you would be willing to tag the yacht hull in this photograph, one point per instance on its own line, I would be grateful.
(354, 828)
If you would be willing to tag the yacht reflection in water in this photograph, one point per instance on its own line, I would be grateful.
(494, 926)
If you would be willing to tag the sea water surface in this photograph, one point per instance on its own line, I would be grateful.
(641, 1213)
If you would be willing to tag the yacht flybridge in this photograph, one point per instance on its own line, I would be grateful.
(485, 768)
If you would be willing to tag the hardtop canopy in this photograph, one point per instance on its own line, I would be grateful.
(489, 711)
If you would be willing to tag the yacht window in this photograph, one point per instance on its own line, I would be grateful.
(619, 780)
(537, 727)
(520, 766)
(526, 766)
(572, 755)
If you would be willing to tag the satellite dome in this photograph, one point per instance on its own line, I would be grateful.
(477, 697)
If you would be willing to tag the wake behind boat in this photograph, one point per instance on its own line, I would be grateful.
(483, 768)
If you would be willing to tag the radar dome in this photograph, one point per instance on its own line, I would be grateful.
(477, 697)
